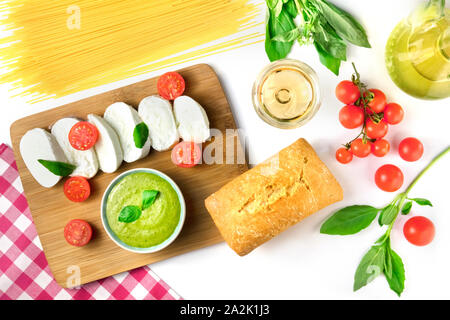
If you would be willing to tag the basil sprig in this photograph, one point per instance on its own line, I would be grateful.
(61, 169)
(140, 135)
(323, 24)
(130, 214)
(380, 259)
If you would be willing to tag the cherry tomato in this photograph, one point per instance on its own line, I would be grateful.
(343, 155)
(378, 102)
(419, 231)
(83, 135)
(360, 149)
(393, 113)
(78, 233)
(171, 85)
(347, 92)
(410, 149)
(186, 154)
(376, 130)
(389, 178)
(77, 189)
(351, 117)
(380, 148)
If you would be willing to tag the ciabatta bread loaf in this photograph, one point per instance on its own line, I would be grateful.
(274, 195)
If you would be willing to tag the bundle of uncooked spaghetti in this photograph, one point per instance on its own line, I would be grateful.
(54, 48)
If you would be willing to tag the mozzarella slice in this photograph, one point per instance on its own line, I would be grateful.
(108, 149)
(86, 161)
(39, 144)
(123, 119)
(158, 116)
(192, 121)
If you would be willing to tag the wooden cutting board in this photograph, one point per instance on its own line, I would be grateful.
(101, 257)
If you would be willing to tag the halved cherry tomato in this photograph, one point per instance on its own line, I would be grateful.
(360, 149)
(186, 154)
(419, 231)
(378, 102)
(347, 92)
(351, 116)
(393, 113)
(171, 85)
(380, 148)
(389, 178)
(376, 130)
(77, 189)
(410, 149)
(78, 233)
(83, 135)
(343, 155)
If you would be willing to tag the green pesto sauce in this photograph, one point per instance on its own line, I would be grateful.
(157, 223)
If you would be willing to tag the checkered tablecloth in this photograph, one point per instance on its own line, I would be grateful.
(24, 271)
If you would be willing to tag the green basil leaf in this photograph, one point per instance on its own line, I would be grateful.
(291, 8)
(332, 63)
(345, 25)
(330, 41)
(349, 220)
(370, 267)
(407, 207)
(130, 214)
(140, 135)
(289, 36)
(422, 202)
(61, 169)
(277, 26)
(388, 263)
(396, 275)
(388, 214)
(148, 198)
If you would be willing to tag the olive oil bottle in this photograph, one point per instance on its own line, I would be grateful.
(418, 52)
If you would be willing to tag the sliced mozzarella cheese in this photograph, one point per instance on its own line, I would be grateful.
(39, 144)
(123, 119)
(192, 121)
(108, 149)
(158, 116)
(86, 161)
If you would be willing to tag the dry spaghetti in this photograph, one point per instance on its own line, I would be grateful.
(54, 48)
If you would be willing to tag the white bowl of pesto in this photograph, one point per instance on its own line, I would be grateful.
(143, 210)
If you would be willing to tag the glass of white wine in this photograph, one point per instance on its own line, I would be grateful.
(418, 52)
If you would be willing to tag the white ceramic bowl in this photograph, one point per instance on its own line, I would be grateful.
(160, 246)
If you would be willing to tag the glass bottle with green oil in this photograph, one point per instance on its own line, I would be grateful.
(418, 52)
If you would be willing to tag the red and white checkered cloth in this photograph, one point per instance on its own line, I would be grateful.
(24, 271)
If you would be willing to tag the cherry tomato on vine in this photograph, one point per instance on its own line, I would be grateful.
(393, 113)
(389, 178)
(410, 149)
(360, 149)
(419, 231)
(347, 92)
(343, 155)
(380, 148)
(351, 116)
(376, 130)
(378, 102)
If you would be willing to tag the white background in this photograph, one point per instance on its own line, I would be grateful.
(301, 263)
